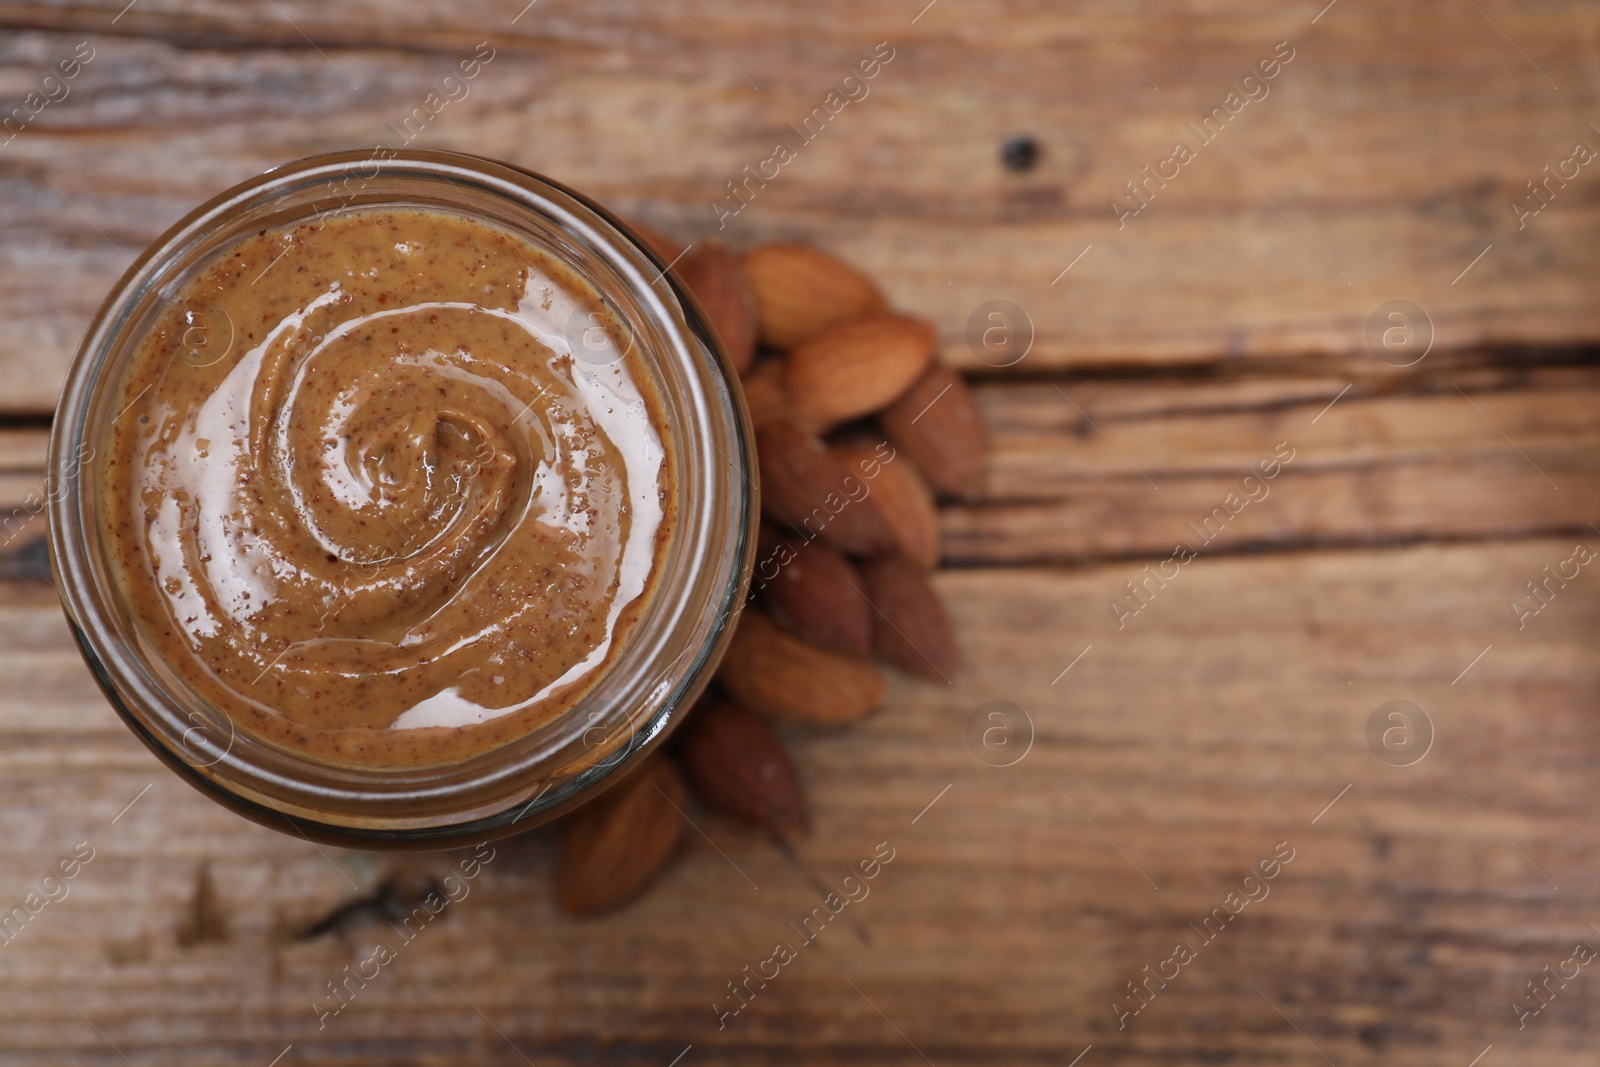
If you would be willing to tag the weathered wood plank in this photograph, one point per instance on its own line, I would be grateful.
(1087, 470)
(23, 448)
(1392, 181)
(1005, 927)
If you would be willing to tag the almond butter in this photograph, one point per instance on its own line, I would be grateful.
(616, 845)
(936, 423)
(909, 627)
(813, 592)
(763, 393)
(783, 678)
(899, 494)
(715, 276)
(736, 765)
(857, 368)
(801, 291)
(806, 487)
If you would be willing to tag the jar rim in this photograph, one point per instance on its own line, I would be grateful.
(657, 671)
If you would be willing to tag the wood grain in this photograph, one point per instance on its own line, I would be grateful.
(1006, 925)
(1088, 470)
(1328, 197)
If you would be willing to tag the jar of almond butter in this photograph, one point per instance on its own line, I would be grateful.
(401, 499)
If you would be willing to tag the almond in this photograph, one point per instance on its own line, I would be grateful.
(857, 368)
(909, 628)
(806, 487)
(715, 277)
(900, 495)
(784, 678)
(736, 765)
(659, 243)
(800, 292)
(764, 395)
(937, 424)
(616, 845)
(812, 591)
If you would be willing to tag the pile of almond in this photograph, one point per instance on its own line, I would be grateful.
(858, 431)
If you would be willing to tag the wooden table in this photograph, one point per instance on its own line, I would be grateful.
(1172, 350)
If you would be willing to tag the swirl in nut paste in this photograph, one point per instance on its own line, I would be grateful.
(367, 498)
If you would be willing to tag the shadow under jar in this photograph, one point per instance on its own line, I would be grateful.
(401, 502)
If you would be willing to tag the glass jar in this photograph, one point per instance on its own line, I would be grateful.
(663, 663)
